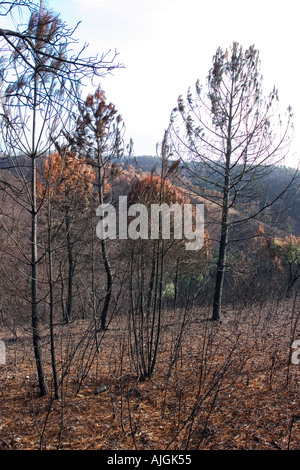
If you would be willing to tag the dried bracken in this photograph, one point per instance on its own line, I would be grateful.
(233, 387)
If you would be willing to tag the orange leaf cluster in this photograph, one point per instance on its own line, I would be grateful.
(99, 113)
(280, 249)
(64, 177)
(266, 247)
(153, 190)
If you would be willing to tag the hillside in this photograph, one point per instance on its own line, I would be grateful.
(231, 388)
(211, 385)
(279, 220)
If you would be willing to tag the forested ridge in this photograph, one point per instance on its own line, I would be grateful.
(136, 340)
(284, 216)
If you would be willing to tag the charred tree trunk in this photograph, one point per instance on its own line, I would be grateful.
(69, 304)
(221, 266)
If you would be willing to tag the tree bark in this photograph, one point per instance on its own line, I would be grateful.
(221, 266)
(51, 307)
(109, 279)
(34, 288)
(217, 304)
(69, 305)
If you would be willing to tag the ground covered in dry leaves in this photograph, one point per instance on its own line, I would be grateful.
(227, 385)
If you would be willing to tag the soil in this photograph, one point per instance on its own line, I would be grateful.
(227, 385)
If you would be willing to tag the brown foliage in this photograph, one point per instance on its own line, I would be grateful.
(255, 408)
(64, 177)
(153, 190)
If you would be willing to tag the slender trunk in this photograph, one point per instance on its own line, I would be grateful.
(176, 282)
(221, 265)
(109, 279)
(159, 308)
(93, 286)
(217, 304)
(151, 282)
(34, 289)
(69, 304)
(34, 261)
(51, 305)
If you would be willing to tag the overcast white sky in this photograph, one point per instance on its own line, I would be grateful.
(166, 45)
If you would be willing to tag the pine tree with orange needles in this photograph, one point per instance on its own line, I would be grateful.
(67, 181)
(147, 190)
(99, 137)
(40, 85)
(227, 139)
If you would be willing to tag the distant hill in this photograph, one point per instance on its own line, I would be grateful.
(281, 218)
(144, 162)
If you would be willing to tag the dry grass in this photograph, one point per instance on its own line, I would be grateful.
(232, 387)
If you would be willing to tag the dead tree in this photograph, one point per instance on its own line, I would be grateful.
(40, 83)
(228, 142)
